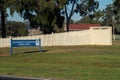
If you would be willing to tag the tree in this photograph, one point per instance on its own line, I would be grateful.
(83, 7)
(4, 4)
(43, 13)
(108, 16)
(88, 20)
(116, 10)
(116, 4)
(3, 16)
(16, 28)
(111, 16)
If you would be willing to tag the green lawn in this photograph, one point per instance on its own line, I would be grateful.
(65, 62)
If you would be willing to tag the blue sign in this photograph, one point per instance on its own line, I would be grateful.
(25, 43)
(20, 43)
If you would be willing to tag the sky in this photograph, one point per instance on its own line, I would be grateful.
(102, 5)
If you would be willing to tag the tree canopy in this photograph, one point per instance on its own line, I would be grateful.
(83, 7)
(46, 14)
(110, 16)
(91, 18)
(4, 4)
(41, 13)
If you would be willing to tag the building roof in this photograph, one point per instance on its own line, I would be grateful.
(82, 26)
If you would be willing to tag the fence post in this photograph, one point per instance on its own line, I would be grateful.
(10, 46)
(40, 45)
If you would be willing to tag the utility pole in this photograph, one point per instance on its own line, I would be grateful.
(113, 22)
(113, 28)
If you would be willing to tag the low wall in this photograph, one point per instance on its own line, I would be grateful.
(93, 36)
(101, 36)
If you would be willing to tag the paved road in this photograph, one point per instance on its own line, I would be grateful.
(19, 78)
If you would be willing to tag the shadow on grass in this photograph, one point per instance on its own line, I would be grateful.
(35, 51)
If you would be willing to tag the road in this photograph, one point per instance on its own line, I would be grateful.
(2, 77)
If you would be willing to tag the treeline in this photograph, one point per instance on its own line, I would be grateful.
(110, 16)
(50, 15)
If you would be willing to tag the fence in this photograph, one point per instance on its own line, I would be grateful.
(93, 36)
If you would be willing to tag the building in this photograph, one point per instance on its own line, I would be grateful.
(78, 27)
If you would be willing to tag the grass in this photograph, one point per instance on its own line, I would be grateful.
(117, 37)
(64, 62)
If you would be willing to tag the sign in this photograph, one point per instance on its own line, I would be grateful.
(25, 43)
(20, 43)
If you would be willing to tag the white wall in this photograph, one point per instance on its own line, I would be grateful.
(101, 36)
(93, 36)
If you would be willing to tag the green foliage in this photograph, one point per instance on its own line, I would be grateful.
(43, 13)
(116, 10)
(96, 18)
(117, 4)
(16, 29)
(83, 7)
(108, 16)
(111, 15)
(4, 4)
(46, 13)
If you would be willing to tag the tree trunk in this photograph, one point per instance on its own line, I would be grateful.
(3, 32)
(67, 25)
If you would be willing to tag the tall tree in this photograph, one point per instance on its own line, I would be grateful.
(83, 7)
(4, 4)
(3, 16)
(108, 16)
(111, 16)
(43, 13)
(116, 10)
(112, 13)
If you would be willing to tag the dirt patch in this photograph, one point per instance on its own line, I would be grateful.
(4, 54)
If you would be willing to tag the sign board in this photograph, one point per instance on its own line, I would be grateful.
(25, 43)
